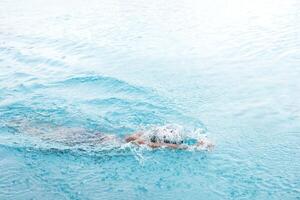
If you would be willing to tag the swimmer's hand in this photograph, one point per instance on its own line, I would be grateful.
(205, 144)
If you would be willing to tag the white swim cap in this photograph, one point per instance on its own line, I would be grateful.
(169, 133)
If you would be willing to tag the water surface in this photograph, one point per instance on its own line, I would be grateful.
(228, 67)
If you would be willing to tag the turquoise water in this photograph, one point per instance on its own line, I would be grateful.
(229, 68)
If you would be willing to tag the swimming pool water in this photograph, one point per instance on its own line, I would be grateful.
(230, 68)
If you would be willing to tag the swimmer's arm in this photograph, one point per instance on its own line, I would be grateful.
(133, 137)
(175, 146)
(154, 145)
(172, 146)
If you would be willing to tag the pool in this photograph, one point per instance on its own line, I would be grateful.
(227, 68)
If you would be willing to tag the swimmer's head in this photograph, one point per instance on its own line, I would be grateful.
(167, 134)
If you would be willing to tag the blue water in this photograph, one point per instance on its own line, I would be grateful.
(229, 68)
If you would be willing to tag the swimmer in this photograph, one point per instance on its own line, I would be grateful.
(166, 137)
